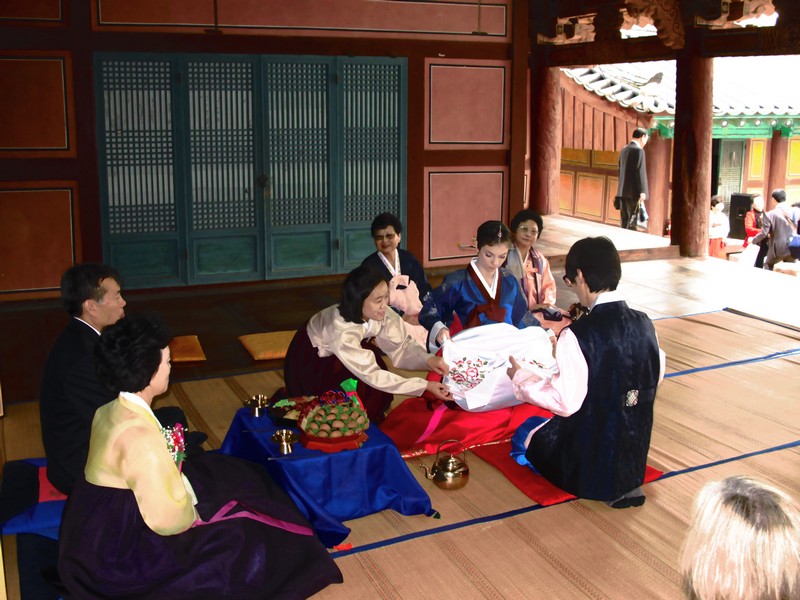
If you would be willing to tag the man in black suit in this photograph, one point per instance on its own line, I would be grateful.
(632, 185)
(71, 391)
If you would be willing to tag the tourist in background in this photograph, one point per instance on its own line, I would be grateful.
(752, 227)
(632, 183)
(778, 225)
(718, 228)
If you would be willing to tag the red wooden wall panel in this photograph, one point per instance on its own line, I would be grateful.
(37, 234)
(36, 116)
(30, 10)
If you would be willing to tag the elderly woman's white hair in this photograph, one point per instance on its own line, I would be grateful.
(743, 543)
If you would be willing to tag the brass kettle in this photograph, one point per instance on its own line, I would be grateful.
(448, 472)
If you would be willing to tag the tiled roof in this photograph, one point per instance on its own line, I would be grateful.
(743, 86)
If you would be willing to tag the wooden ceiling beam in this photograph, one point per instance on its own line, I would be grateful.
(707, 20)
(605, 52)
(569, 33)
(764, 41)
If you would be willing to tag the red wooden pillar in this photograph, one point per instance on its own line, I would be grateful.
(691, 169)
(776, 177)
(545, 135)
(658, 152)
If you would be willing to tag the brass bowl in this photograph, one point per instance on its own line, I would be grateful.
(257, 403)
(285, 438)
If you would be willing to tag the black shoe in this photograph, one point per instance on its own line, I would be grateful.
(627, 502)
(632, 498)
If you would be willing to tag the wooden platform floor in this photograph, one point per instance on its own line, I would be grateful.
(655, 280)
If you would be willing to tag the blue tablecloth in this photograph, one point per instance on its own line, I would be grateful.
(331, 488)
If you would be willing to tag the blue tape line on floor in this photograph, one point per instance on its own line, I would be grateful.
(527, 509)
(731, 459)
(443, 529)
(734, 363)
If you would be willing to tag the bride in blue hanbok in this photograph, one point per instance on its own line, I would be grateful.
(487, 301)
(481, 294)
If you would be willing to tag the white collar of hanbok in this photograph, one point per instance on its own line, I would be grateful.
(491, 289)
(393, 269)
(605, 297)
(138, 402)
(523, 256)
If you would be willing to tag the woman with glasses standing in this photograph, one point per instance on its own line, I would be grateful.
(408, 285)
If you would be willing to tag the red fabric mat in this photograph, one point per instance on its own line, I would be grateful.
(416, 430)
(533, 485)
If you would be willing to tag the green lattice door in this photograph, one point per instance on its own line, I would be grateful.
(241, 168)
(335, 135)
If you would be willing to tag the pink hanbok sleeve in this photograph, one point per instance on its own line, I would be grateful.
(548, 292)
(563, 393)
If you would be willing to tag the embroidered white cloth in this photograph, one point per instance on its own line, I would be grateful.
(478, 360)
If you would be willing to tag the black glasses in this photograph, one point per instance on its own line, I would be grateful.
(388, 237)
(524, 229)
(567, 280)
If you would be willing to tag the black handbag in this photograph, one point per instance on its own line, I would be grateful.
(617, 202)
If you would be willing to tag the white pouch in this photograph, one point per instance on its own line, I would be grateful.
(478, 360)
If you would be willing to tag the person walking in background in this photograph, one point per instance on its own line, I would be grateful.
(718, 228)
(743, 543)
(752, 227)
(632, 185)
(778, 225)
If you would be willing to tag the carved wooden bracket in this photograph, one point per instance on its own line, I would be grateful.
(727, 13)
(665, 15)
(571, 30)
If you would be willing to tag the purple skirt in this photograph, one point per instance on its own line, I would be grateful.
(308, 374)
(107, 551)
